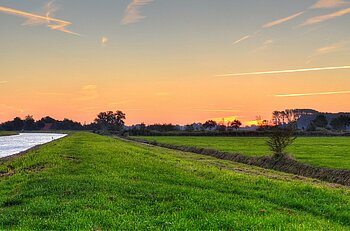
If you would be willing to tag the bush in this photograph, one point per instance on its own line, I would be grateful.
(280, 139)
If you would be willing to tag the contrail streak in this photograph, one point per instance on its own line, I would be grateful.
(285, 71)
(314, 94)
(242, 39)
(60, 24)
(283, 20)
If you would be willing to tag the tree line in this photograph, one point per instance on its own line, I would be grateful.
(339, 123)
(111, 121)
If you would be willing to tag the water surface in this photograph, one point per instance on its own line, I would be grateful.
(10, 145)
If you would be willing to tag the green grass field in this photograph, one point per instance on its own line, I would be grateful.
(4, 133)
(90, 182)
(333, 152)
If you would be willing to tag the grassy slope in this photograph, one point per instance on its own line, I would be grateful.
(4, 133)
(333, 152)
(86, 181)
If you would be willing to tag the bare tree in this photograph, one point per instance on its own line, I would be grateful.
(276, 118)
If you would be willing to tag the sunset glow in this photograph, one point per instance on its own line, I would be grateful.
(173, 61)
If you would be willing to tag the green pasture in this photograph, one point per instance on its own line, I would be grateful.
(90, 182)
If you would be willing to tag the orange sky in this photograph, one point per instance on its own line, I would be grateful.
(157, 68)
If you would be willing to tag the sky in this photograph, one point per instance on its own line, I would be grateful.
(172, 61)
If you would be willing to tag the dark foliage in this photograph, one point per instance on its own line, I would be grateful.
(49, 123)
(110, 121)
(236, 124)
(320, 121)
(162, 127)
(210, 124)
(340, 122)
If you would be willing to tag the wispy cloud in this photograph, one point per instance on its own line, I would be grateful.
(53, 93)
(266, 44)
(246, 37)
(49, 8)
(282, 20)
(122, 102)
(241, 39)
(318, 5)
(104, 41)
(314, 94)
(133, 109)
(87, 93)
(3, 82)
(329, 49)
(88, 109)
(221, 110)
(269, 25)
(332, 48)
(53, 23)
(132, 12)
(162, 93)
(328, 4)
(5, 107)
(285, 71)
(326, 17)
(89, 87)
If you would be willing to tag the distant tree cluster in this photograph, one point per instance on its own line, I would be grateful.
(109, 121)
(163, 127)
(29, 124)
(338, 123)
(209, 126)
(288, 116)
(113, 121)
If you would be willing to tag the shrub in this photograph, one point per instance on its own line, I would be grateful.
(280, 139)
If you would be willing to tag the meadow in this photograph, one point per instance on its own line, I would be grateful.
(90, 182)
(332, 152)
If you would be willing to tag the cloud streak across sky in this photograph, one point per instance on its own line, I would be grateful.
(53, 23)
(282, 20)
(285, 71)
(314, 94)
(321, 4)
(132, 12)
(242, 39)
(326, 17)
(269, 25)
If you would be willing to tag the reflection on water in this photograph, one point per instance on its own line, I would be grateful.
(10, 145)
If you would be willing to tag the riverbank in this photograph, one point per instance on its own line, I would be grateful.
(11, 145)
(91, 182)
(6, 133)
